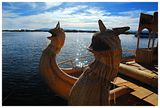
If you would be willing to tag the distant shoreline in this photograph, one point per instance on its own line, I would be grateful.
(75, 31)
(47, 31)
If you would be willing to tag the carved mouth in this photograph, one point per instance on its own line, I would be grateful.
(53, 33)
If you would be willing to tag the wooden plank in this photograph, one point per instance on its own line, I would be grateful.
(141, 92)
(153, 99)
(130, 85)
(121, 82)
(118, 81)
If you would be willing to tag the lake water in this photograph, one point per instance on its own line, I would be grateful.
(21, 51)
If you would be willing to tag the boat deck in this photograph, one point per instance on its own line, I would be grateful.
(139, 96)
(142, 93)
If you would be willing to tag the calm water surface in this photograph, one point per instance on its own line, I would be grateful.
(21, 51)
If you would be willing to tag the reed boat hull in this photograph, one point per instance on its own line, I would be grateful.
(139, 73)
(126, 90)
(135, 94)
(61, 82)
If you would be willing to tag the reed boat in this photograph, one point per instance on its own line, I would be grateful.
(133, 82)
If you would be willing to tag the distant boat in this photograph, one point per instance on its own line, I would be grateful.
(145, 35)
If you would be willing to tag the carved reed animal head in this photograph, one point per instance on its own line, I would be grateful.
(106, 39)
(57, 38)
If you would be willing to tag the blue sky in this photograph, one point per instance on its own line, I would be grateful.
(73, 15)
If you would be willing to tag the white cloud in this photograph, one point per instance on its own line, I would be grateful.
(97, 11)
(69, 10)
(32, 5)
(78, 17)
(49, 5)
(119, 21)
(8, 14)
(133, 13)
(136, 13)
